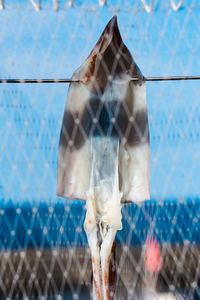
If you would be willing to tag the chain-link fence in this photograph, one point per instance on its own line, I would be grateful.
(44, 251)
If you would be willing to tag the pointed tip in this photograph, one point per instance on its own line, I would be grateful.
(107, 47)
(112, 24)
(113, 20)
(111, 31)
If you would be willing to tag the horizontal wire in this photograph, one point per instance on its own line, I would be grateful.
(38, 80)
(168, 78)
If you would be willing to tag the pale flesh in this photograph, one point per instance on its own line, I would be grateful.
(103, 216)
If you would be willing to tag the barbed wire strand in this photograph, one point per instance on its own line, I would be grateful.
(64, 80)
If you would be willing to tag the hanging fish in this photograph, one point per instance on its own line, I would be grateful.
(104, 145)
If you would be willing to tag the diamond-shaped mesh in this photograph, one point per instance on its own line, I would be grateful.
(43, 247)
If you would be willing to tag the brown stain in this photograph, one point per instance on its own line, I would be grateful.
(107, 291)
(106, 280)
(109, 278)
(90, 222)
(105, 39)
(109, 29)
(106, 276)
(97, 290)
(90, 72)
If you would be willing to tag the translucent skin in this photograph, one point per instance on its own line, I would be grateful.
(105, 103)
(104, 146)
(103, 216)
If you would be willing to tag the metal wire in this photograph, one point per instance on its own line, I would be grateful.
(37, 80)
(168, 78)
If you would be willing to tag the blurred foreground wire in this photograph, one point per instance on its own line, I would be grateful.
(61, 80)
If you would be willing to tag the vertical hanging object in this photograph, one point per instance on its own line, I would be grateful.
(105, 104)
(104, 145)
